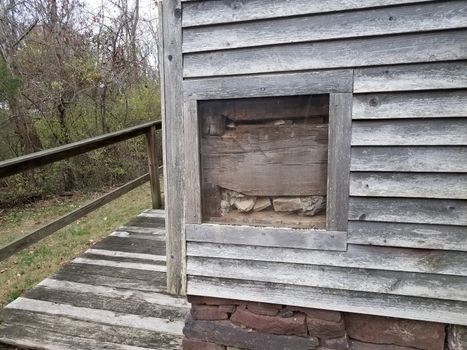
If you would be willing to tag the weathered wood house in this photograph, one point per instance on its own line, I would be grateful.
(316, 166)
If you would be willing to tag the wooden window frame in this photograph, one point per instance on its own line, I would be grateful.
(334, 237)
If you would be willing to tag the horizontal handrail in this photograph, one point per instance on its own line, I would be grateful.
(33, 160)
(23, 242)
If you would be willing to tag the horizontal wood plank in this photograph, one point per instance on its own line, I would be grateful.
(409, 210)
(452, 186)
(197, 13)
(40, 330)
(374, 281)
(357, 256)
(447, 159)
(286, 84)
(381, 21)
(131, 245)
(128, 305)
(420, 236)
(440, 104)
(267, 236)
(431, 76)
(268, 160)
(388, 50)
(350, 301)
(413, 132)
(173, 327)
(37, 159)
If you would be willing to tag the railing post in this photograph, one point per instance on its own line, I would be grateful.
(151, 144)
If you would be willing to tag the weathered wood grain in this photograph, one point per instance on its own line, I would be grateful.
(286, 84)
(173, 140)
(432, 76)
(375, 281)
(413, 132)
(409, 210)
(268, 218)
(198, 13)
(446, 159)
(99, 316)
(43, 330)
(37, 159)
(162, 299)
(340, 121)
(131, 245)
(366, 257)
(388, 50)
(113, 277)
(421, 236)
(139, 265)
(266, 108)
(439, 104)
(426, 185)
(128, 305)
(268, 160)
(192, 171)
(267, 236)
(23, 242)
(151, 144)
(381, 21)
(350, 301)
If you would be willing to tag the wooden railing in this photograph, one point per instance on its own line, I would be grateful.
(34, 160)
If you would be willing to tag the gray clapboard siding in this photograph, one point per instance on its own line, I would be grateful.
(267, 236)
(446, 159)
(413, 132)
(375, 281)
(390, 20)
(317, 82)
(409, 210)
(357, 256)
(395, 49)
(431, 76)
(419, 236)
(340, 300)
(452, 186)
(437, 104)
(198, 13)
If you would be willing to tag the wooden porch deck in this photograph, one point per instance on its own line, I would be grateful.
(112, 297)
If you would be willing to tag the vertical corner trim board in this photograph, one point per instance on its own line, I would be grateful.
(340, 120)
(173, 140)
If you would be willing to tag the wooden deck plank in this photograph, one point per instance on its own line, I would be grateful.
(116, 303)
(111, 297)
(131, 245)
(59, 332)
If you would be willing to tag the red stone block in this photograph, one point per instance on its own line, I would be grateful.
(325, 329)
(189, 344)
(341, 343)
(208, 312)
(393, 331)
(193, 299)
(294, 325)
(327, 315)
(263, 309)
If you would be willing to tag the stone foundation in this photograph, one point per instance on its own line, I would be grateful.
(221, 324)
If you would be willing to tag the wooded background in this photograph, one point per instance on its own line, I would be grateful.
(69, 71)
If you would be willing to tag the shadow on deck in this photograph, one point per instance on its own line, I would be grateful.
(111, 297)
